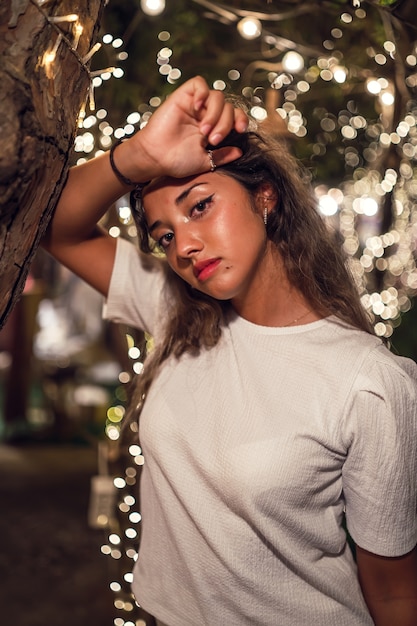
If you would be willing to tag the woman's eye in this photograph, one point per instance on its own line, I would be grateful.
(201, 206)
(165, 240)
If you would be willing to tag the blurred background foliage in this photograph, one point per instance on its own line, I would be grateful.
(206, 41)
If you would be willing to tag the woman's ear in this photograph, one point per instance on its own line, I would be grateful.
(266, 198)
(266, 193)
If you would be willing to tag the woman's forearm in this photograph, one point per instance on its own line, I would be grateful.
(90, 190)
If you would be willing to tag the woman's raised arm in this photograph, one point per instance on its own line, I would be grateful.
(172, 143)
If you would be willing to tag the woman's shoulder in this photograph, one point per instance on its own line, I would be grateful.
(392, 371)
(387, 374)
(137, 288)
(374, 359)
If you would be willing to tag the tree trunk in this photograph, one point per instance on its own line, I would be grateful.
(40, 102)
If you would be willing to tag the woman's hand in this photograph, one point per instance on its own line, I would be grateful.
(174, 140)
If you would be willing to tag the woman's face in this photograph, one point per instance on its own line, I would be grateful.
(211, 234)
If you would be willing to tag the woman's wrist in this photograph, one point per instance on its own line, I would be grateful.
(123, 179)
(123, 158)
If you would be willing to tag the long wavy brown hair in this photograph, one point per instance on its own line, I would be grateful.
(312, 255)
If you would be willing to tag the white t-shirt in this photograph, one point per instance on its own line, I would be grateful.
(253, 450)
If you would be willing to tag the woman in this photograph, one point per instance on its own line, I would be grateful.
(271, 410)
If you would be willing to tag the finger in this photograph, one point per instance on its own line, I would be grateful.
(220, 117)
(200, 91)
(213, 113)
(241, 120)
(222, 156)
(224, 124)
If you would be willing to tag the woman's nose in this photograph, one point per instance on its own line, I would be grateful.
(187, 242)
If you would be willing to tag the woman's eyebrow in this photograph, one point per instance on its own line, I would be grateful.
(184, 195)
(154, 225)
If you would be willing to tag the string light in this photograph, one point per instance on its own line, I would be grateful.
(56, 19)
(152, 7)
(93, 50)
(107, 70)
(249, 28)
(292, 61)
(78, 31)
(49, 57)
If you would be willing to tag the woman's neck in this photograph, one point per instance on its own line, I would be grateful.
(275, 301)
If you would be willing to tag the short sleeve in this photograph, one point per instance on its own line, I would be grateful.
(380, 471)
(136, 289)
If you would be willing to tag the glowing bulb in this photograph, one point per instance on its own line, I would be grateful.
(293, 61)
(369, 206)
(259, 113)
(327, 205)
(373, 86)
(387, 98)
(339, 74)
(152, 7)
(93, 50)
(48, 58)
(78, 30)
(56, 19)
(249, 28)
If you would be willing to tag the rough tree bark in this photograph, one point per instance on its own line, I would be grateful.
(39, 109)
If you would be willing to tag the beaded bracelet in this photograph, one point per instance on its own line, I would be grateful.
(120, 176)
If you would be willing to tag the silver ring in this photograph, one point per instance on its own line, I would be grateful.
(212, 163)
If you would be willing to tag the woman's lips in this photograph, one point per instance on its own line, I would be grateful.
(204, 269)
